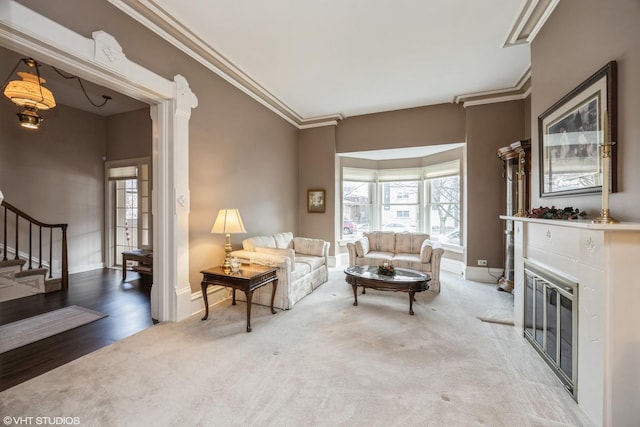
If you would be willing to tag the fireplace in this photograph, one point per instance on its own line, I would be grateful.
(551, 320)
(585, 275)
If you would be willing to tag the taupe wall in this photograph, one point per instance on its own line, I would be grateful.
(129, 135)
(246, 157)
(580, 37)
(56, 175)
(489, 127)
(484, 129)
(414, 127)
(241, 154)
(317, 170)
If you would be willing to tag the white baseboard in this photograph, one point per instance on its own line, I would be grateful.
(483, 274)
(86, 267)
(452, 266)
(215, 295)
(340, 260)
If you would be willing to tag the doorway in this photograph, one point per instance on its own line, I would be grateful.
(171, 102)
(127, 208)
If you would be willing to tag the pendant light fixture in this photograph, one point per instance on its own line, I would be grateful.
(29, 95)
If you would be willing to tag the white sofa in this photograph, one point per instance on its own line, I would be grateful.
(407, 250)
(302, 266)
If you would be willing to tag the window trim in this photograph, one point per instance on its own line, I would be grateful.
(423, 175)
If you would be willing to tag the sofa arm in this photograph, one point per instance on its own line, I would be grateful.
(436, 258)
(251, 257)
(351, 247)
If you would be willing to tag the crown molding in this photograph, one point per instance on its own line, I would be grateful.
(532, 16)
(158, 20)
(520, 90)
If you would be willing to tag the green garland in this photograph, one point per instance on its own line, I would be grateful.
(554, 213)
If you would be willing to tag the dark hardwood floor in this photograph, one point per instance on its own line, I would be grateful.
(127, 305)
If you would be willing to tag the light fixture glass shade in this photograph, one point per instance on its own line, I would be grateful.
(29, 117)
(228, 221)
(1, 197)
(30, 92)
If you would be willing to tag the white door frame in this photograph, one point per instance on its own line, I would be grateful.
(101, 60)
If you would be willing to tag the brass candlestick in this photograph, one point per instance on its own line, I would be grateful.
(604, 217)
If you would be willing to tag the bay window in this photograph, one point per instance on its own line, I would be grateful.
(424, 199)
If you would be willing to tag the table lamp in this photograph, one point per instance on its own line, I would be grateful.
(228, 222)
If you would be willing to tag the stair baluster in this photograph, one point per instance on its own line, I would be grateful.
(64, 279)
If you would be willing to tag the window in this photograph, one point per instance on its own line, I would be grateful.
(400, 208)
(425, 199)
(357, 201)
(128, 207)
(443, 202)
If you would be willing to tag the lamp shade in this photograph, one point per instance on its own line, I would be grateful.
(1, 197)
(30, 92)
(228, 221)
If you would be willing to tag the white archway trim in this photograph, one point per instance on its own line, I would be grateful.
(102, 61)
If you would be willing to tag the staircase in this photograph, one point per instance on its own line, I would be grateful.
(31, 271)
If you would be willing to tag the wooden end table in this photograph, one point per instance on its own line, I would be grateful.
(248, 279)
(143, 257)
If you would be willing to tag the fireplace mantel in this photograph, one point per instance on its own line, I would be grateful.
(603, 259)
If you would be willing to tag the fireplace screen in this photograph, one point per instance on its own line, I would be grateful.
(551, 319)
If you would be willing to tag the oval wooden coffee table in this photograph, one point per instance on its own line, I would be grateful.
(405, 280)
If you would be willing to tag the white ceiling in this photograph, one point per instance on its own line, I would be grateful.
(313, 62)
(353, 57)
(402, 153)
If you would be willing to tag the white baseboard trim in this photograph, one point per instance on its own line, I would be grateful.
(86, 267)
(215, 295)
(483, 274)
(452, 266)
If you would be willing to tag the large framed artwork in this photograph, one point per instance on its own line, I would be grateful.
(571, 133)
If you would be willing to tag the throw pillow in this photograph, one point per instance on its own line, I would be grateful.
(252, 243)
(284, 240)
(425, 252)
(362, 246)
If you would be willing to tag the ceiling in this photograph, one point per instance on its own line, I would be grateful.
(402, 153)
(314, 63)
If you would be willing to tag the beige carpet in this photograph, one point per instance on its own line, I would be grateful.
(323, 363)
(32, 329)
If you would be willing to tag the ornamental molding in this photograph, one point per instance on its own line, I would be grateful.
(532, 16)
(158, 20)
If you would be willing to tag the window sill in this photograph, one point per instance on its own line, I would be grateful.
(452, 248)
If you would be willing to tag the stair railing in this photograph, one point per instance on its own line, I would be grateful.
(32, 222)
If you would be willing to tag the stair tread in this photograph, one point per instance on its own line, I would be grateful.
(32, 272)
(12, 262)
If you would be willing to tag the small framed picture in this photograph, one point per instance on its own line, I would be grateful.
(315, 201)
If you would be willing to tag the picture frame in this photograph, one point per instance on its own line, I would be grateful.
(571, 133)
(316, 201)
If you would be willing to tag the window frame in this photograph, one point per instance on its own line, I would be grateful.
(425, 174)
